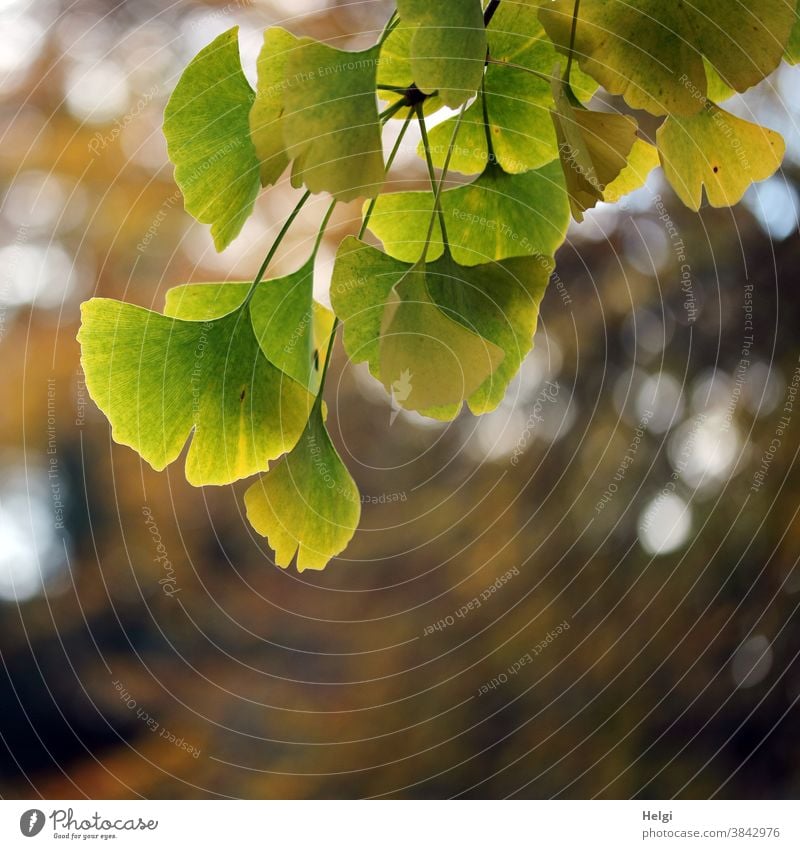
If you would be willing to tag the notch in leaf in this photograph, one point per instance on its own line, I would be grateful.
(207, 129)
(718, 151)
(308, 504)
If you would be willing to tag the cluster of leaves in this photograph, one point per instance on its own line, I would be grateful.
(448, 306)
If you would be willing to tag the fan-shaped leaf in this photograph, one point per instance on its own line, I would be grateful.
(718, 151)
(308, 504)
(208, 139)
(593, 146)
(497, 216)
(316, 105)
(411, 320)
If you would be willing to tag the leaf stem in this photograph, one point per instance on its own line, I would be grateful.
(489, 13)
(437, 206)
(437, 188)
(389, 161)
(274, 249)
(331, 341)
(575, 13)
(322, 227)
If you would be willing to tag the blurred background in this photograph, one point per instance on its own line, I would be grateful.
(591, 592)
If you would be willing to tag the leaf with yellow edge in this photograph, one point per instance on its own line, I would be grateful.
(593, 146)
(308, 504)
(651, 51)
(642, 159)
(718, 151)
(208, 139)
(209, 366)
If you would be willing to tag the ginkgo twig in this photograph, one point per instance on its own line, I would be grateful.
(275, 245)
(575, 13)
(437, 187)
(389, 163)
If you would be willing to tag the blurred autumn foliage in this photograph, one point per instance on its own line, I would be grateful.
(169, 657)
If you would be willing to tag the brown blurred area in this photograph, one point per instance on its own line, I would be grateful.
(636, 632)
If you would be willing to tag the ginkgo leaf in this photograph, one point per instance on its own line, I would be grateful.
(447, 48)
(159, 378)
(515, 99)
(593, 147)
(267, 109)
(292, 329)
(445, 360)
(207, 129)
(316, 105)
(410, 320)
(718, 151)
(307, 504)
(651, 52)
(642, 159)
(497, 216)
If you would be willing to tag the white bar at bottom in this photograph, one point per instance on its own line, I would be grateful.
(400, 824)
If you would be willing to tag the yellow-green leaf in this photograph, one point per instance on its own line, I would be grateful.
(593, 147)
(651, 52)
(642, 159)
(718, 151)
(445, 332)
(515, 99)
(208, 139)
(447, 48)
(497, 216)
(159, 378)
(316, 105)
(308, 504)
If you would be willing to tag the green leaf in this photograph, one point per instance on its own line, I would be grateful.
(208, 139)
(316, 105)
(516, 102)
(158, 378)
(448, 47)
(268, 108)
(308, 504)
(497, 216)
(651, 52)
(292, 329)
(719, 151)
(445, 332)
(593, 146)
